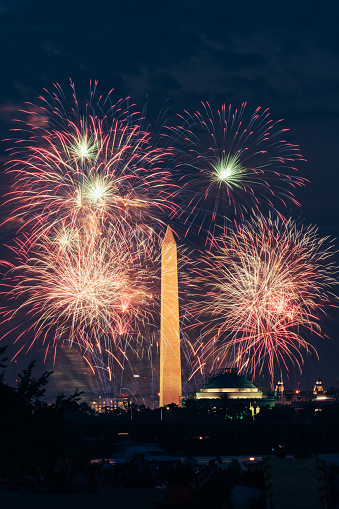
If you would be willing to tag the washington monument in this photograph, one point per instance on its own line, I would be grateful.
(170, 363)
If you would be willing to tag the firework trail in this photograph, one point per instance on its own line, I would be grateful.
(268, 284)
(91, 192)
(98, 291)
(229, 165)
(99, 165)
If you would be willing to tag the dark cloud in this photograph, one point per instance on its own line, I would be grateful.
(315, 114)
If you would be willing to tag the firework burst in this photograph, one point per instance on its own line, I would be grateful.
(268, 286)
(97, 165)
(230, 163)
(98, 291)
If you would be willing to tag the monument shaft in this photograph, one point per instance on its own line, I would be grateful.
(170, 362)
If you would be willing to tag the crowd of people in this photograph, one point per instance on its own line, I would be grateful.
(180, 483)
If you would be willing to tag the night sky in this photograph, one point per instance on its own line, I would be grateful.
(172, 55)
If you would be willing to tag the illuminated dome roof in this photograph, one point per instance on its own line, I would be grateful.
(229, 381)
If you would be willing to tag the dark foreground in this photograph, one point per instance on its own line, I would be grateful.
(119, 498)
(297, 482)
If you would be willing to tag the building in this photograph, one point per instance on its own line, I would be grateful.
(279, 389)
(298, 398)
(107, 404)
(236, 388)
(318, 388)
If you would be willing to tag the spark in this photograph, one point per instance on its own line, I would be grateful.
(101, 164)
(229, 163)
(267, 285)
(89, 292)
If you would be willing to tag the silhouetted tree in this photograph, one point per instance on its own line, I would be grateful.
(32, 431)
(30, 390)
(279, 413)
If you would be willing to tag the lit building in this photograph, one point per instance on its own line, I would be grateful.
(107, 404)
(231, 385)
(235, 388)
(298, 398)
(318, 388)
(280, 388)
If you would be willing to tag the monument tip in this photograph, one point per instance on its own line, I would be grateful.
(169, 238)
